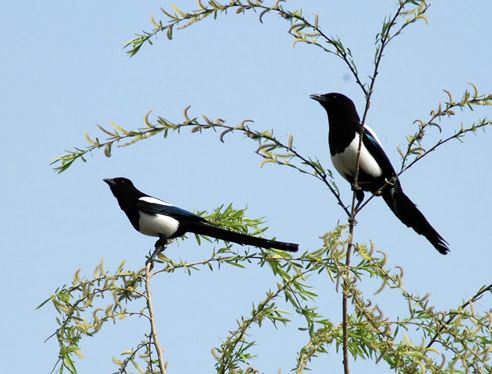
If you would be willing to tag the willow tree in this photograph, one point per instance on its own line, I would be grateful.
(423, 339)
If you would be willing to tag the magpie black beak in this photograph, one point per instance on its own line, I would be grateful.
(316, 97)
(109, 181)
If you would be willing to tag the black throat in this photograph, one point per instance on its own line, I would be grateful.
(128, 204)
(341, 133)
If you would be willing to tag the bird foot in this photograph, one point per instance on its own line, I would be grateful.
(159, 246)
(352, 221)
(359, 195)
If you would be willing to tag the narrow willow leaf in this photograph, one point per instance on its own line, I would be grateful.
(89, 139)
(119, 128)
(207, 120)
(107, 132)
(201, 5)
(185, 114)
(475, 90)
(243, 125)
(147, 122)
(154, 22)
(450, 97)
(107, 149)
(221, 138)
(262, 14)
(169, 32)
(178, 11)
(402, 154)
(267, 161)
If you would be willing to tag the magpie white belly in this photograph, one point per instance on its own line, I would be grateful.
(346, 161)
(157, 224)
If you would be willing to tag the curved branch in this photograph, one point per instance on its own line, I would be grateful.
(267, 144)
(442, 326)
(153, 329)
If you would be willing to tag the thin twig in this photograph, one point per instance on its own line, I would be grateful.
(153, 330)
(143, 133)
(338, 51)
(242, 329)
(130, 358)
(345, 294)
(444, 325)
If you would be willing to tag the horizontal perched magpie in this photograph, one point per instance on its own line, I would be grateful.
(376, 174)
(154, 217)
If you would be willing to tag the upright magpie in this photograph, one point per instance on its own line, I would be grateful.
(376, 174)
(154, 217)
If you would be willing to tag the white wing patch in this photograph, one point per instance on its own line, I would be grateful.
(157, 224)
(346, 162)
(153, 200)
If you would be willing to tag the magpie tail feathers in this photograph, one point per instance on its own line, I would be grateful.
(407, 212)
(242, 239)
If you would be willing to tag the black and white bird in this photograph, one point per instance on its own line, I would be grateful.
(154, 217)
(376, 174)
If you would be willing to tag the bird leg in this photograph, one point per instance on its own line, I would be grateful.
(359, 195)
(159, 246)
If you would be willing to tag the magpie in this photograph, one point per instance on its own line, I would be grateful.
(154, 217)
(376, 174)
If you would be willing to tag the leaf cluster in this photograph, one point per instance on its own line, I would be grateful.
(423, 340)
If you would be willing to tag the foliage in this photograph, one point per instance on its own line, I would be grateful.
(423, 340)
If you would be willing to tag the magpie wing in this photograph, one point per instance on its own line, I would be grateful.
(371, 142)
(168, 210)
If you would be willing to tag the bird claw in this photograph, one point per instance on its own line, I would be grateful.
(359, 195)
(378, 193)
(150, 262)
(159, 246)
(352, 221)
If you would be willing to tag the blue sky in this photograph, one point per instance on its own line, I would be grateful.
(64, 71)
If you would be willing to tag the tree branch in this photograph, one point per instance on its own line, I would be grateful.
(153, 329)
(443, 326)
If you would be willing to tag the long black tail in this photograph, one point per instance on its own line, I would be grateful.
(408, 213)
(243, 239)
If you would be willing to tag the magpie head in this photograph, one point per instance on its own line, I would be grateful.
(122, 188)
(338, 106)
